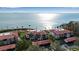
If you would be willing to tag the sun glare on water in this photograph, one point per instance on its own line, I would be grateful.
(46, 19)
(47, 16)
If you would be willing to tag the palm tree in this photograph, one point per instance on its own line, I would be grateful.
(22, 27)
(7, 27)
(17, 27)
(29, 27)
(76, 27)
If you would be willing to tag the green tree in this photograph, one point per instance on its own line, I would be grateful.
(52, 38)
(76, 43)
(22, 44)
(34, 48)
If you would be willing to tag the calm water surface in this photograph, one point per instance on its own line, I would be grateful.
(36, 20)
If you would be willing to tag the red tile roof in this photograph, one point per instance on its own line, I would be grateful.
(42, 42)
(6, 37)
(71, 39)
(6, 47)
(57, 31)
(35, 32)
(11, 35)
(14, 33)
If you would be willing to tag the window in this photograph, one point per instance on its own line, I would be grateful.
(1, 43)
(4, 39)
(12, 41)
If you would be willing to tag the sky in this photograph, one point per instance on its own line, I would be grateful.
(40, 9)
(37, 17)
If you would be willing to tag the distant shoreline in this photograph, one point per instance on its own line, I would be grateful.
(8, 30)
